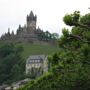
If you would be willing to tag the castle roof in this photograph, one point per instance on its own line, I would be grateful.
(31, 14)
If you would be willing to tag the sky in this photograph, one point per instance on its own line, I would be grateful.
(49, 13)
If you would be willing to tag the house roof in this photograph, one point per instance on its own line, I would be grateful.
(36, 57)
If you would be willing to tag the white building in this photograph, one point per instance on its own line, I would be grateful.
(37, 64)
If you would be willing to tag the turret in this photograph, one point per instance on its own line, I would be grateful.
(8, 31)
(12, 33)
(31, 21)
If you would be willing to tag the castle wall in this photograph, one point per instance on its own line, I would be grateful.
(31, 25)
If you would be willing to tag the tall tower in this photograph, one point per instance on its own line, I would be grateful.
(31, 22)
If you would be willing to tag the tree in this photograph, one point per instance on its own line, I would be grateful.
(75, 58)
(55, 36)
(11, 62)
(16, 70)
(6, 49)
(73, 62)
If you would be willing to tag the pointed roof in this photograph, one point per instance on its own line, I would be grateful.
(31, 14)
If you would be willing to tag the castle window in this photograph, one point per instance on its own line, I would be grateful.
(33, 61)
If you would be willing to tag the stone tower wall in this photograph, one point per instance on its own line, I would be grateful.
(31, 25)
(31, 22)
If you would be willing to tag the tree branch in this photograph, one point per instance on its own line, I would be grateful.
(80, 38)
(82, 25)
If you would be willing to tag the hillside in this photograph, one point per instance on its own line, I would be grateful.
(13, 59)
(34, 49)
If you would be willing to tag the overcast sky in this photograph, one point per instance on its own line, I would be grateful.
(49, 13)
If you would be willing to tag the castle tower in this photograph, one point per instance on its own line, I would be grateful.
(31, 22)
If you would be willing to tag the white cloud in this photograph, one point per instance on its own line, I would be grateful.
(49, 12)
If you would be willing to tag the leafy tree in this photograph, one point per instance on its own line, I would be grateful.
(11, 63)
(55, 36)
(6, 49)
(76, 44)
(46, 36)
(16, 70)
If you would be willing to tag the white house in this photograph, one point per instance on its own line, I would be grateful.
(37, 64)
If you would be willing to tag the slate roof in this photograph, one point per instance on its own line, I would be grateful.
(36, 57)
(31, 14)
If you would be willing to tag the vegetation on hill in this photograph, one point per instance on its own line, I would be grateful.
(36, 49)
(69, 69)
(13, 59)
(11, 63)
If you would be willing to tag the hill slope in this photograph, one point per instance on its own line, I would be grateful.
(34, 49)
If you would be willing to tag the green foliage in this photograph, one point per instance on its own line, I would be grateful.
(87, 35)
(55, 59)
(55, 36)
(65, 32)
(34, 49)
(13, 58)
(76, 16)
(85, 49)
(85, 19)
(46, 36)
(16, 70)
(11, 63)
(72, 18)
(5, 49)
(68, 20)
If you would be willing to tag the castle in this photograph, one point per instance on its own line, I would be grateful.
(29, 33)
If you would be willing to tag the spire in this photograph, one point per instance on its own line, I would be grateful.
(8, 30)
(31, 14)
(12, 32)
